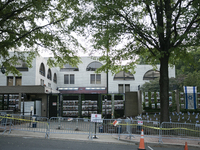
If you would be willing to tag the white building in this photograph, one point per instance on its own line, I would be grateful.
(40, 81)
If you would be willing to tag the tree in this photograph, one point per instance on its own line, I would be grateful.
(159, 30)
(193, 79)
(31, 25)
(184, 66)
(174, 84)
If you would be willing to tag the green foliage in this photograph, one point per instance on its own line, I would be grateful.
(193, 79)
(33, 26)
(191, 63)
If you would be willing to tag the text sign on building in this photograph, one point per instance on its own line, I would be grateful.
(96, 118)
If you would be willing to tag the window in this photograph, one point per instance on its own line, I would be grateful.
(124, 76)
(41, 82)
(55, 78)
(18, 81)
(92, 79)
(49, 74)
(98, 79)
(68, 67)
(127, 87)
(93, 66)
(95, 79)
(49, 84)
(21, 66)
(66, 79)
(69, 79)
(9, 81)
(120, 88)
(42, 69)
(151, 75)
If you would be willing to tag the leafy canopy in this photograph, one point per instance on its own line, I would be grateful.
(159, 30)
(36, 25)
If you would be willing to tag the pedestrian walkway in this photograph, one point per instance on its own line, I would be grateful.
(124, 139)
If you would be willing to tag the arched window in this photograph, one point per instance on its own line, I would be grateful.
(49, 74)
(151, 75)
(68, 67)
(42, 69)
(93, 66)
(124, 76)
(55, 78)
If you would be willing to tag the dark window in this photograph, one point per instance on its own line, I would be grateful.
(68, 67)
(92, 79)
(66, 79)
(124, 76)
(71, 78)
(93, 66)
(42, 69)
(98, 79)
(49, 74)
(55, 78)
(120, 88)
(127, 87)
(95, 79)
(151, 75)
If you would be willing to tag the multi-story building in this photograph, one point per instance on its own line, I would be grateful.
(70, 91)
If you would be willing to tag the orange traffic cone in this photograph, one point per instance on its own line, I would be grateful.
(141, 146)
(186, 147)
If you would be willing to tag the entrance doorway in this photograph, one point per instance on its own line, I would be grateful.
(53, 106)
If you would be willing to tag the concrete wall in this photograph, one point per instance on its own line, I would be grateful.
(131, 104)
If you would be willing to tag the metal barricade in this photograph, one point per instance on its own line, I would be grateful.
(128, 128)
(118, 127)
(29, 123)
(5, 122)
(65, 125)
(181, 131)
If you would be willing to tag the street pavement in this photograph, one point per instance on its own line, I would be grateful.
(124, 139)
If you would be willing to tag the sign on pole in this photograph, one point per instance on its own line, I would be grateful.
(96, 118)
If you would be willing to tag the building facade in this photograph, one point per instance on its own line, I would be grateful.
(58, 88)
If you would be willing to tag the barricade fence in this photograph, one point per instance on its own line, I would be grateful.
(117, 127)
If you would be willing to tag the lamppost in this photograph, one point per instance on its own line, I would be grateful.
(3, 69)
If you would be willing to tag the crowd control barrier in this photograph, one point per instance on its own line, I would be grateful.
(118, 127)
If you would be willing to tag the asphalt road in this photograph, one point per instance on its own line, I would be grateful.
(29, 143)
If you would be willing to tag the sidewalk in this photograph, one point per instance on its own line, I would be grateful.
(149, 141)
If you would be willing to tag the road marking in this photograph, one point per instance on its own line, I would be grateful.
(150, 148)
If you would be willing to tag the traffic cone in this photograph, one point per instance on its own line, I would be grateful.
(186, 147)
(141, 146)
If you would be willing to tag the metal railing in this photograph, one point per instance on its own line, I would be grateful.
(127, 127)
(182, 131)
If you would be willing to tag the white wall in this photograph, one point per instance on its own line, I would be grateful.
(140, 71)
(82, 77)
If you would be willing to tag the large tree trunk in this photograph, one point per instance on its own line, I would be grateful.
(164, 89)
